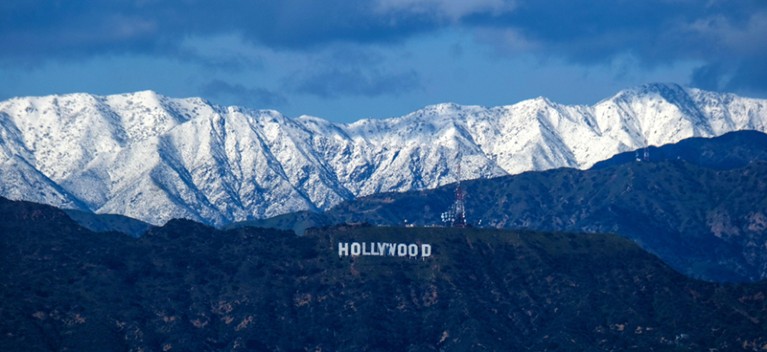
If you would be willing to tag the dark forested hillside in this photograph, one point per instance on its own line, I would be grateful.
(729, 151)
(188, 287)
(703, 213)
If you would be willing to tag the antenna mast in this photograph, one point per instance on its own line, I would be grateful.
(459, 207)
(456, 215)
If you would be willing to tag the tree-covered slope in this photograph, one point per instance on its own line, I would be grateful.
(189, 287)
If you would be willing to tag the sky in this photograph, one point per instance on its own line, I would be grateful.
(344, 60)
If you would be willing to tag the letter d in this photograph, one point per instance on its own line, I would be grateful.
(425, 250)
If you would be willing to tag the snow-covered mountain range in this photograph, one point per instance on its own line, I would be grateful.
(156, 158)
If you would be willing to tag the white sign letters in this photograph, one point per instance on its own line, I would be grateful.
(383, 249)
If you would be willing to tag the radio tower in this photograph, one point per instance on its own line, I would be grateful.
(459, 206)
(456, 215)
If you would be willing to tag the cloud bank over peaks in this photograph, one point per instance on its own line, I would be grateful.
(396, 53)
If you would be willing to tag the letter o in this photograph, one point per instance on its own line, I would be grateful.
(412, 250)
(356, 249)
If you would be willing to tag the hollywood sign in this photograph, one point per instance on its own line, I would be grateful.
(383, 249)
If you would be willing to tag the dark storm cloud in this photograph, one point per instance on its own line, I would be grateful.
(726, 37)
(336, 81)
(352, 70)
(38, 30)
(749, 76)
(587, 31)
(708, 76)
(241, 95)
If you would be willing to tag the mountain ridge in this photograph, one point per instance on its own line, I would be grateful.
(156, 158)
(698, 204)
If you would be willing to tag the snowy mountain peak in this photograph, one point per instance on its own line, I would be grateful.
(541, 101)
(155, 158)
(146, 96)
(668, 92)
(443, 108)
